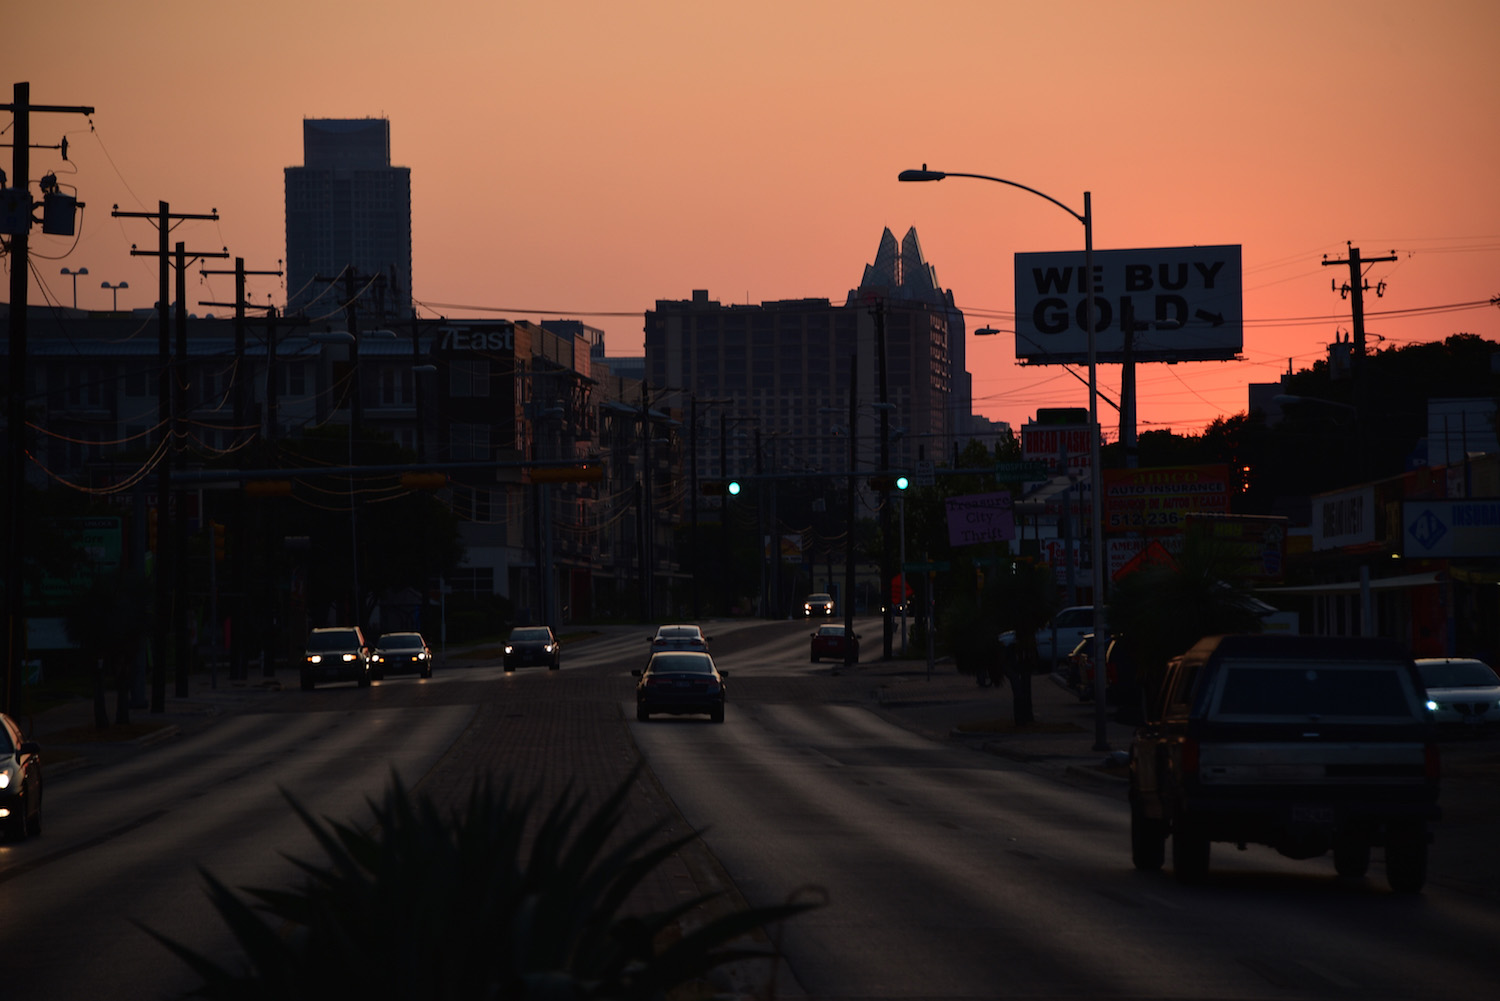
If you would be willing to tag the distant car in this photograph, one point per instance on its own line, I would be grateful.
(680, 682)
(679, 637)
(399, 653)
(20, 782)
(1461, 692)
(532, 645)
(337, 653)
(830, 641)
(818, 605)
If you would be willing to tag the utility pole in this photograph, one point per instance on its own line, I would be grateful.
(887, 619)
(21, 109)
(850, 510)
(1354, 290)
(167, 554)
(239, 545)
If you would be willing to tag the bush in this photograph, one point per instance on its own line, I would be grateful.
(495, 901)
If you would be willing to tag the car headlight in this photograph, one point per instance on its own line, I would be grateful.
(548, 648)
(315, 658)
(1432, 706)
(421, 654)
(348, 657)
(509, 648)
(4, 778)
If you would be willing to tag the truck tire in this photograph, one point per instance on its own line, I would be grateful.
(1406, 859)
(1148, 840)
(1190, 851)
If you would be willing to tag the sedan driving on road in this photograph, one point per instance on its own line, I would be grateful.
(830, 641)
(20, 782)
(532, 645)
(398, 653)
(338, 653)
(680, 682)
(1461, 692)
(819, 606)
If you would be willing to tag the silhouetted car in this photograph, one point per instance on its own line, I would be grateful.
(337, 653)
(679, 637)
(20, 782)
(532, 645)
(1462, 693)
(829, 641)
(1071, 623)
(819, 605)
(401, 653)
(680, 682)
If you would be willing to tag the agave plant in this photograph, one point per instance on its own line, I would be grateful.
(488, 902)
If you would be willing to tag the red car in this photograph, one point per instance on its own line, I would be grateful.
(829, 641)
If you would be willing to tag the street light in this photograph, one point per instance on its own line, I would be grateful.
(1101, 741)
(115, 289)
(75, 274)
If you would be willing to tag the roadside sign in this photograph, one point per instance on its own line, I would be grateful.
(1179, 303)
(977, 518)
(926, 476)
(1017, 472)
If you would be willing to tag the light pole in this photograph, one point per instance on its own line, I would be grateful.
(75, 274)
(115, 289)
(1096, 506)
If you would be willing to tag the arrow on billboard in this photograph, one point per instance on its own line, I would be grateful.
(1217, 319)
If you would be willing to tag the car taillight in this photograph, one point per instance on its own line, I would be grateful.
(1432, 763)
(1189, 757)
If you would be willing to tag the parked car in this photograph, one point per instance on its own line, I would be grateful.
(679, 637)
(830, 641)
(1070, 624)
(20, 782)
(680, 682)
(398, 653)
(1462, 693)
(336, 653)
(818, 605)
(1076, 672)
(1305, 744)
(532, 645)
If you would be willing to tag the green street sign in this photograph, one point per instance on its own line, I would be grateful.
(1015, 472)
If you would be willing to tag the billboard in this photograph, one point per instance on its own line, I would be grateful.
(1178, 303)
(977, 518)
(1161, 498)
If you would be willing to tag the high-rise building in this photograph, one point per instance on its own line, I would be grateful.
(781, 371)
(348, 208)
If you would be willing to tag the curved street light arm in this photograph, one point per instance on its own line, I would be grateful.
(937, 175)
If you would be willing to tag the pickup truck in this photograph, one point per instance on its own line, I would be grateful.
(1305, 744)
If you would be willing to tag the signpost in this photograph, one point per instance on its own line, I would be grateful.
(1179, 303)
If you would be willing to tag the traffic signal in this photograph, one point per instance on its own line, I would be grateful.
(424, 481)
(888, 482)
(719, 488)
(218, 528)
(268, 488)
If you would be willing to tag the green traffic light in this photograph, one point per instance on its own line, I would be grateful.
(734, 487)
(901, 482)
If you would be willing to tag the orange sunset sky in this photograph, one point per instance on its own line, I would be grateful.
(583, 160)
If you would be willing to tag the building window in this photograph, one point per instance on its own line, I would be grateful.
(473, 580)
(395, 386)
(469, 378)
(292, 379)
(469, 441)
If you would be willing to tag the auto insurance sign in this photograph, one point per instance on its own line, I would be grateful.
(1177, 304)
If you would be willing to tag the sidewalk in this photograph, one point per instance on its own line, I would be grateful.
(946, 705)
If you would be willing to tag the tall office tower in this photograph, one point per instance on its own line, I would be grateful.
(348, 208)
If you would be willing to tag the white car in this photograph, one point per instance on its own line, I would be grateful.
(1461, 691)
(1072, 625)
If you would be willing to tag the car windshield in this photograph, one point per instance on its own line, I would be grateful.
(818, 597)
(1075, 618)
(540, 634)
(676, 663)
(338, 639)
(1458, 674)
(1310, 689)
(401, 641)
